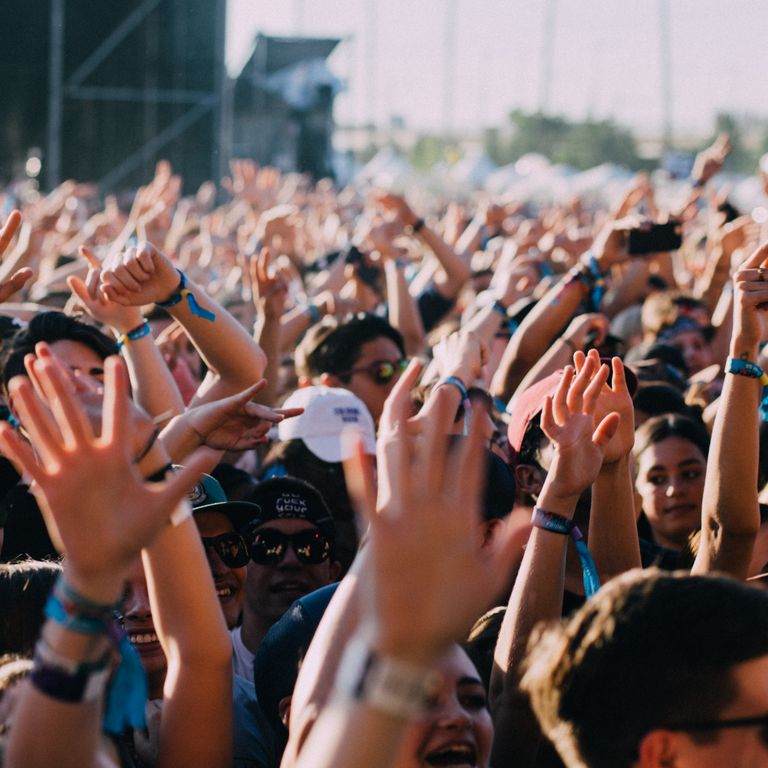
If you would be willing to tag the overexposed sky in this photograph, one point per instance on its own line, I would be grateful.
(605, 62)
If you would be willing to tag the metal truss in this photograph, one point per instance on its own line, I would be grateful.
(75, 87)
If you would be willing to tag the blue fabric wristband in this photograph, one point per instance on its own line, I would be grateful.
(549, 521)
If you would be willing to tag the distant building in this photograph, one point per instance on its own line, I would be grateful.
(282, 108)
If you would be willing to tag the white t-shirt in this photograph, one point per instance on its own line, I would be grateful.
(242, 658)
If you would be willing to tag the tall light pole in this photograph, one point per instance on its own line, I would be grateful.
(665, 51)
(449, 65)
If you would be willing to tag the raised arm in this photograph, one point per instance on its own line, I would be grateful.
(418, 600)
(152, 384)
(454, 270)
(144, 275)
(557, 306)
(730, 514)
(613, 538)
(101, 512)
(568, 420)
(14, 282)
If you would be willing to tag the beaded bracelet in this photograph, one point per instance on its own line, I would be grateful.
(182, 292)
(139, 332)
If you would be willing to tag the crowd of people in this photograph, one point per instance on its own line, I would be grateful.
(301, 476)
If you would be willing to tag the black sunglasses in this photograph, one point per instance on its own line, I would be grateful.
(381, 371)
(230, 547)
(268, 546)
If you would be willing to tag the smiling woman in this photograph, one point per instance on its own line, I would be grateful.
(671, 456)
(457, 729)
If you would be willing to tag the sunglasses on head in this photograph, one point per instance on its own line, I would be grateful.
(230, 547)
(381, 371)
(268, 546)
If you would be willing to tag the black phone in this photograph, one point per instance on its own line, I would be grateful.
(654, 238)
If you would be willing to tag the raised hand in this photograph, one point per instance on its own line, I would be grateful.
(398, 205)
(118, 316)
(141, 275)
(19, 278)
(96, 504)
(568, 420)
(430, 575)
(710, 160)
(270, 285)
(235, 423)
(750, 302)
(612, 398)
(462, 354)
(582, 326)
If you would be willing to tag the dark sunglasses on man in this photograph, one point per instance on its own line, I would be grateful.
(269, 546)
(380, 371)
(230, 547)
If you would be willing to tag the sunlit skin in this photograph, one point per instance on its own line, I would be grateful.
(670, 481)
(79, 358)
(732, 747)
(229, 581)
(457, 730)
(362, 383)
(138, 625)
(695, 350)
(271, 589)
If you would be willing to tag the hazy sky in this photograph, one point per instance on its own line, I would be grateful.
(606, 57)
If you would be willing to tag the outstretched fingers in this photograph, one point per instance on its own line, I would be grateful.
(560, 398)
(592, 392)
(37, 421)
(114, 419)
(606, 429)
(11, 226)
(20, 453)
(358, 474)
(756, 258)
(71, 419)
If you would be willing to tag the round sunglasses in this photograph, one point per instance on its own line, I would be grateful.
(381, 371)
(230, 547)
(269, 546)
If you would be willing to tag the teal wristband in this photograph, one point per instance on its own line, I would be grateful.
(182, 292)
(500, 308)
(139, 332)
(314, 312)
(747, 368)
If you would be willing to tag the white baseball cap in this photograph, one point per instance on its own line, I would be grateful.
(328, 412)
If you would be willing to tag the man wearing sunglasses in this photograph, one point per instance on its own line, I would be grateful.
(219, 522)
(362, 353)
(291, 543)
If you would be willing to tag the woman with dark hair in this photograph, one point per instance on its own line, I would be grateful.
(671, 459)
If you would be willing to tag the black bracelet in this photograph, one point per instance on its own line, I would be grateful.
(152, 439)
